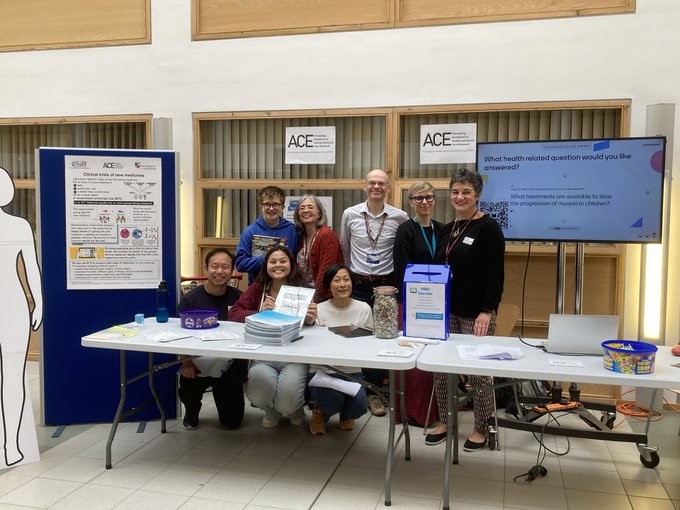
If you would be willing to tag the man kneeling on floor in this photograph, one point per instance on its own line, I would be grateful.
(224, 376)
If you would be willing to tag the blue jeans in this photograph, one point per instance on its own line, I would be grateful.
(330, 401)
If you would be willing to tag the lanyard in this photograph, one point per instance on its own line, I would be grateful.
(431, 247)
(368, 229)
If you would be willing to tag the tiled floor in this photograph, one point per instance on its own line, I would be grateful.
(287, 468)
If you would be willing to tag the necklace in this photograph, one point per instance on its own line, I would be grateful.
(456, 232)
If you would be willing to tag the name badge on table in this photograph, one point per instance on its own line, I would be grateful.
(372, 258)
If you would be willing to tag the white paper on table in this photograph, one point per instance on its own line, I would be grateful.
(212, 335)
(397, 352)
(166, 336)
(488, 351)
(247, 346)
(565, 363)
(323, 380)
(418, 340)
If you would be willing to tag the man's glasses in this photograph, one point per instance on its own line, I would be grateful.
(271, 205)
(423, 198)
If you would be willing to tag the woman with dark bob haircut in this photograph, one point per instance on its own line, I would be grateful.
(339, 310)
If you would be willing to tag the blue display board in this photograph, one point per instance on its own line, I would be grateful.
(80, 384)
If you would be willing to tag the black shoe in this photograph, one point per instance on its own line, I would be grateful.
(433, 439)
(190, 422)
(471, 446)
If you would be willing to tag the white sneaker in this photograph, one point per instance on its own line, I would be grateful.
(298, 418)
(271, 419)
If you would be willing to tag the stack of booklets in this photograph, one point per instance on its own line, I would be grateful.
(272, 328)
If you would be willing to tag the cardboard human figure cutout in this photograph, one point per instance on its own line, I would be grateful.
(17, 243)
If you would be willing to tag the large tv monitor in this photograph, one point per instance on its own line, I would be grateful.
(605, 190)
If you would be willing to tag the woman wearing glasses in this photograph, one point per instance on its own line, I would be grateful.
(416, 243)
(319, 245)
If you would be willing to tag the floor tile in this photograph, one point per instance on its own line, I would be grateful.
(210, 504)
(259, 466)
(236, 489)
(470, 491)
(129, 475)
(10, 481)
(76, 469)
(596, 481)
(338, 498)
(651, 504)
(185, 482)
(151, 501)
(534, 497)
(645, 489)
(585, 500)
(93, 497)
(287, 495)
(40, 492)
(304, 471)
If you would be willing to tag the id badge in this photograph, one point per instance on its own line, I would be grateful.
(372, 258)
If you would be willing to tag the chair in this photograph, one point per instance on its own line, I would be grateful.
(506, 319)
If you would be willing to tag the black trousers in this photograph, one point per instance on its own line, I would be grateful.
(227, 393)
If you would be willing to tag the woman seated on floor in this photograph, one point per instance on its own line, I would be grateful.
(340, 310)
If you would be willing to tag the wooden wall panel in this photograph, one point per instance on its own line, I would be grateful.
(603, 267)
(419, 12)
(237, 18)
(43, 24)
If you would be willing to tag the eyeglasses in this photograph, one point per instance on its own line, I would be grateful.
(271, 205)
(310, 207)
(423, 198)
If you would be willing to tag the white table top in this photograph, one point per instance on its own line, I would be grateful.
(317, 346)
(444, 357)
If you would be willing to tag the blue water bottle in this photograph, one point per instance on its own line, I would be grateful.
(162, 312)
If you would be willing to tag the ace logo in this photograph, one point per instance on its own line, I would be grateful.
(301, 141)
(443, 139)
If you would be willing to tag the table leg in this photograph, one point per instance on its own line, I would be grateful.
(390, 442)
(451, 425)
(152, 387)
(119, 411)
(404, 420)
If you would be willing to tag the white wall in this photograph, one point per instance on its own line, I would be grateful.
(601, 57)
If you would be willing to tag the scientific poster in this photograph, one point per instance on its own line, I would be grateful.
(113, 222)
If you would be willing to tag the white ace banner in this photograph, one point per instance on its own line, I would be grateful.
(448, 143)
(312, 145)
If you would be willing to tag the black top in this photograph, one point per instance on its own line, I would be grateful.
(410, 246)
(199, 299)
(476, 258)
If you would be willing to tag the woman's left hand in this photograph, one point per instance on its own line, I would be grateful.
(482, 324)
(310, 316)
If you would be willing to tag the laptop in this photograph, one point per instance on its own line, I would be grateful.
(574, 334)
